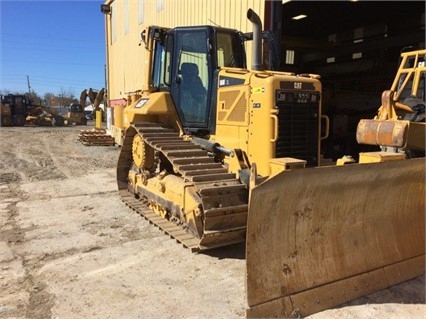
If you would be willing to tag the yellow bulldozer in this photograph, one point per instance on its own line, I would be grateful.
(215, 154)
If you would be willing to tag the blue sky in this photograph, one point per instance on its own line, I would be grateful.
(59, 45)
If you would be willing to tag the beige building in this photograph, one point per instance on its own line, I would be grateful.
(126, 19)
(350, 44)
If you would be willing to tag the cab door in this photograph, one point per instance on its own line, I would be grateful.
(191, 74)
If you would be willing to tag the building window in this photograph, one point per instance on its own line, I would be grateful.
(357, 55)
(126, 16)
(358, 35)
(289, 57)
(140, 11)
(160, 5)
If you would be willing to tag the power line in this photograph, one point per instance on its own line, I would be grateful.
(55, 47)
(36, 79)
(50, 62)
(47, 38)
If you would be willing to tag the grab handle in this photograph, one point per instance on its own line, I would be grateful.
(327, 126)
(274, 118)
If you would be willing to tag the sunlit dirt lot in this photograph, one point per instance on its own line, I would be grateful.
(69, 248)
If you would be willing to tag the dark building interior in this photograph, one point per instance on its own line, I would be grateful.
(354, 46)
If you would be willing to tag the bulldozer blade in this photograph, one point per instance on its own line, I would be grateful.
(319, 237)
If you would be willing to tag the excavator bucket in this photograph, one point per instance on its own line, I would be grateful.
(319, 237)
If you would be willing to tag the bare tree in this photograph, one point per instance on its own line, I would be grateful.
(5, 92)
(66, 97)
(50, 99)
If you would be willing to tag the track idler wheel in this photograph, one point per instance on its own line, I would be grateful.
(143, 154)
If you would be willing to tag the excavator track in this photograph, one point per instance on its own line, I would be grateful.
(224, 199)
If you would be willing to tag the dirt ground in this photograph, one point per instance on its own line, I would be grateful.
(69, 248)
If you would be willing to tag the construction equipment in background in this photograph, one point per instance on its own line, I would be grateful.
(14, 109)
(18, 110)
(41, 116)
(75, 115)
(96, 99)
(98, 135)
(333, 234)
(76, 112)
(5, 115)
(402, 110)
(211, 147)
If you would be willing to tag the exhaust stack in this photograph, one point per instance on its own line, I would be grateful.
(257, 40)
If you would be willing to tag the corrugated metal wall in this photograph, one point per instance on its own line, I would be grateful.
(130, 17)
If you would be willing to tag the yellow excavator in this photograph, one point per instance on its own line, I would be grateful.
(215, 154)
(76, 114)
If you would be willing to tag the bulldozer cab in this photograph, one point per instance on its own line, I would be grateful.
(192, 58)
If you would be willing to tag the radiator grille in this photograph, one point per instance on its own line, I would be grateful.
(298, 131)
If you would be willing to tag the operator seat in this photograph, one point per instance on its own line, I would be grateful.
(193, 92)
(190, 78)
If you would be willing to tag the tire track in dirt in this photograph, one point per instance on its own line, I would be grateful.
(39, 302)
(29, 159)
(26, 160)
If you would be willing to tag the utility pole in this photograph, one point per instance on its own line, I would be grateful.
(28, 82)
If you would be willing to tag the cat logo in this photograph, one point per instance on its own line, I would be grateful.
(297, 85)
